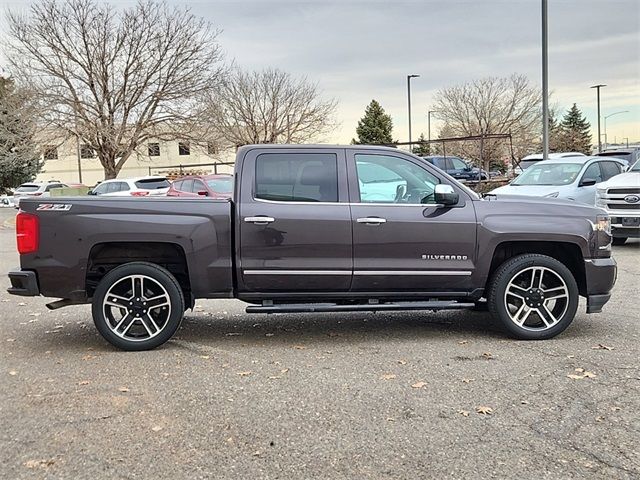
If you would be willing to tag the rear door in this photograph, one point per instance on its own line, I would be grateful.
(294, 221)
(404, 243)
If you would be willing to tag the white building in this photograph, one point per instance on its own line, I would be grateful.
(154, 157)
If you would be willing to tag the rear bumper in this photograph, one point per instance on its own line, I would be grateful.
(23, 283)
(600, 276)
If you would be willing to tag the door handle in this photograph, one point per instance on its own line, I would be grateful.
(259, 220)
(372, 220)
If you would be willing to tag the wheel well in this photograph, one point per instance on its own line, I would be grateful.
(104, 257)
(567, 253)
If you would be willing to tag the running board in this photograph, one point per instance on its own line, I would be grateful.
(369, 307)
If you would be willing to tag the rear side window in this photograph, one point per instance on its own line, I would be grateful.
(610, 169)
(593, 172)
(297, 177)
(187, 186)
(152, 183)
(221, 185)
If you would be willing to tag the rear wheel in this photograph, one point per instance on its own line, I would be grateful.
(138, 306)
(619, 241)
(535, 297)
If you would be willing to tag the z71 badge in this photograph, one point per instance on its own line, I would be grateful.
(58, 207)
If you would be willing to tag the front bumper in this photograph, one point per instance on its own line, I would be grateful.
(600, 276)
(23, 283)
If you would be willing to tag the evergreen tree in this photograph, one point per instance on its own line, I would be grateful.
(19, 158)
(375, 126)
(575, 132)
(555, 134)
(422, 149)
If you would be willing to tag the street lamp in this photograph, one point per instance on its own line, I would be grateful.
(409, 77)
(545, 81)
(598, 87)
(429, 126)
(605, 125)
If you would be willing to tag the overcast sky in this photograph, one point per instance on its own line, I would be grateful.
(359, 50)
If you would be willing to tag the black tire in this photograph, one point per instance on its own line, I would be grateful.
(520, 265)
(617, 241)
(158, 277)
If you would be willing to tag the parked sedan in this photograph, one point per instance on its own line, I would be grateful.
(135, 187)
(458, 168)
(213, 186)
(570, 178)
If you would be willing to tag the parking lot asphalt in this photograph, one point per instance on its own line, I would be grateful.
(361, 395)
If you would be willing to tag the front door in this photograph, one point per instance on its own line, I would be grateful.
(401, 241)
(294, 221)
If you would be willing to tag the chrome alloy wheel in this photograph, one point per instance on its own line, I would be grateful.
(136, 307)
(536, 298)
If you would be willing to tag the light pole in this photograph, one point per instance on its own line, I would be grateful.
(598, 87)
(605, 125)
(409, 77)
(545, 83)
(429, 127)
(627, 139)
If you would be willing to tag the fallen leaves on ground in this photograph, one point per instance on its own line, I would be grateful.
(487, 355)
(419, 385)
(39, 463)
(464, 413)
(463, 342)
(600, 346)
(402, 362)
(388, 376)
(244, 374)
(11, 339)
(13, 372)
(299, 347)
(123, 389)
(581, 373)
(484, 410)
(157, 428)
(467, 380)
(83, 382)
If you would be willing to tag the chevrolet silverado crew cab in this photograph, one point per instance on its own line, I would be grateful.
(317, 229)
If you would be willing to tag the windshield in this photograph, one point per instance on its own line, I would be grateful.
(549, 174)
(636, 167)
(221, 185)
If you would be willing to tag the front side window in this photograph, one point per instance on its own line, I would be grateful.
(458, 164)
(101, 189)
(593, 173)
(387, 179)
(297, 177)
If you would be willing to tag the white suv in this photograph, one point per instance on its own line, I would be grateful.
(35, 189)
(136, 187)
(620, 197)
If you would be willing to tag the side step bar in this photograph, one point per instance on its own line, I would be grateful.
(369, 307)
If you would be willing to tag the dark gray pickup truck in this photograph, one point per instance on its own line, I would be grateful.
(317, 229)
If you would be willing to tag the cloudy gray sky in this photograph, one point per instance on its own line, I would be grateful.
(359, 50)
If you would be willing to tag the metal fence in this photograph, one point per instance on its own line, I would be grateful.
(183, 169)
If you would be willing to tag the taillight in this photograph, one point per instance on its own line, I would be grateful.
(27, 232)
(141, 193)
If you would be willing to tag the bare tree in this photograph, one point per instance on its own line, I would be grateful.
(270, 106)
(116, 78)
(491, 105)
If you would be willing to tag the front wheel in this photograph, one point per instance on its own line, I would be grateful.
(534, 296)
(138, 306)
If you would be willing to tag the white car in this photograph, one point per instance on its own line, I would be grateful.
(534, 158)
(569, 178)
(35, 189)
(135, 187)
(620, 197)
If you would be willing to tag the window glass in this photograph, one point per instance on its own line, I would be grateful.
(154, 149)
(124, 186)
(549, 174)
(387, 179)
(184, 148)
(48, 188)
(153, 183)
(177, 185)
(198, 186)
(458, 164)
(610, 169)
(221, 185)
(440, 163)
(297, 177)
(187, 186)
(101, 189)
(593, 172)
(28, 188)
(113, 187)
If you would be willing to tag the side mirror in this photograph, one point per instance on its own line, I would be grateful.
(203, 193)
(445, 195)
(587, 182)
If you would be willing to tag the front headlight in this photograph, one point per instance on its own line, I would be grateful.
(603, 223)
(600, 200)
(552, 195)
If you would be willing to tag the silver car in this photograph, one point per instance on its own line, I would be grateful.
(569, 178)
